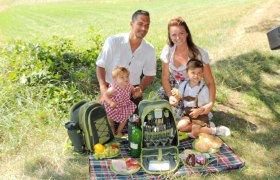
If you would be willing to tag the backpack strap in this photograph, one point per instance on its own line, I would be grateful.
(196, 100)
(185, 87)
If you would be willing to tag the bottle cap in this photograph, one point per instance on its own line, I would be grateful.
(133, 118)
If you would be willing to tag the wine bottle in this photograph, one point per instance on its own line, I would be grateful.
(166, 118)
(131, 123)
(135, 141)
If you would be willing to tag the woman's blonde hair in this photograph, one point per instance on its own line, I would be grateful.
(119, 70)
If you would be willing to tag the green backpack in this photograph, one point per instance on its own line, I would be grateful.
(74, 131)
(159, 153)
(95, 125)
(88, 126)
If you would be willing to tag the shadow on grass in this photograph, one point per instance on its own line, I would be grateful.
(245, 73)
(232, 121)
(268, 141)
(256, 75)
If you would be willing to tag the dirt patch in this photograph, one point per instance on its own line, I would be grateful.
(262, 26)
(252, 26)
(250, 33)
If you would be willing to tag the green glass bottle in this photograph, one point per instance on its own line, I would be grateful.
(135, 140)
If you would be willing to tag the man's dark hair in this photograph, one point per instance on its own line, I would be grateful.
(139, 12)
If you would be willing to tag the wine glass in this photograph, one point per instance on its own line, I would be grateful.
(163, 138)
(147, 139)
(156, 139)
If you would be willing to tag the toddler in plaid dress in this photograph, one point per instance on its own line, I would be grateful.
(117, 99)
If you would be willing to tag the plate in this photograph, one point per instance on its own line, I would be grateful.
(182, 135)
(183, 155)
(122, 163)
(103, 155)
(108, 157)
(212, 151)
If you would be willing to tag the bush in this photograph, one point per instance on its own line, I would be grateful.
(40, 81)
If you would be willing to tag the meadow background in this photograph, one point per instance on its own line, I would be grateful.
(48, 50)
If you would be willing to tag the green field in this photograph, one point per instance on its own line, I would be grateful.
(208, 19)
(47, 54)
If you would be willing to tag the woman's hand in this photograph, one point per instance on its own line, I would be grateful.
(173, 101)
(175, 93)
(207, 108)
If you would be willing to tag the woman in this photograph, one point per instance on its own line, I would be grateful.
(174, 56)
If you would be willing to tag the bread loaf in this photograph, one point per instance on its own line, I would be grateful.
(206, 142)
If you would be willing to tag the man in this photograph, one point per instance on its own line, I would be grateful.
(132, 51)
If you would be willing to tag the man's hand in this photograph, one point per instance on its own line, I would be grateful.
(113, 104)
(136, 92)
(100, 72)
(101, 99)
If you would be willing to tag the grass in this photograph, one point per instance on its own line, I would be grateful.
(32, 141)
(72, 18)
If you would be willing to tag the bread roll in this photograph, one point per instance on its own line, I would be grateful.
(175, 92)
(213, 141)
(201, 146)
(206, 141)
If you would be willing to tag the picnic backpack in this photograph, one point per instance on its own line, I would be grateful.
(95, 125)
(88, 126)
(159, 153)
(73, 128)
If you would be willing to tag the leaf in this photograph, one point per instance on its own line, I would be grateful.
(12, 76)
(23, 79)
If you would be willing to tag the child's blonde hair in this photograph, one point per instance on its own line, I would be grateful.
(119, 70)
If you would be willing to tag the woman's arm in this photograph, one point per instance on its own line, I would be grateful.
(165, 75)
(210, 82)
(165, 79)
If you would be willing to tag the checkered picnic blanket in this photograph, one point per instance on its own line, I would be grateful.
(223, 160)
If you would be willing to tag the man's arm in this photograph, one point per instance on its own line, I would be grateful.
(146, 81)
(104, 57)
(100, 72)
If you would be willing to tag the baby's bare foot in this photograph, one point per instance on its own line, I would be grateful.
(119, 134)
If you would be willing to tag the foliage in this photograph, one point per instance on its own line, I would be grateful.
(63, 71)
(47, 76)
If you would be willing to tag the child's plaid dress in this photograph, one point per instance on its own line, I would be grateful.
(125, 107)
